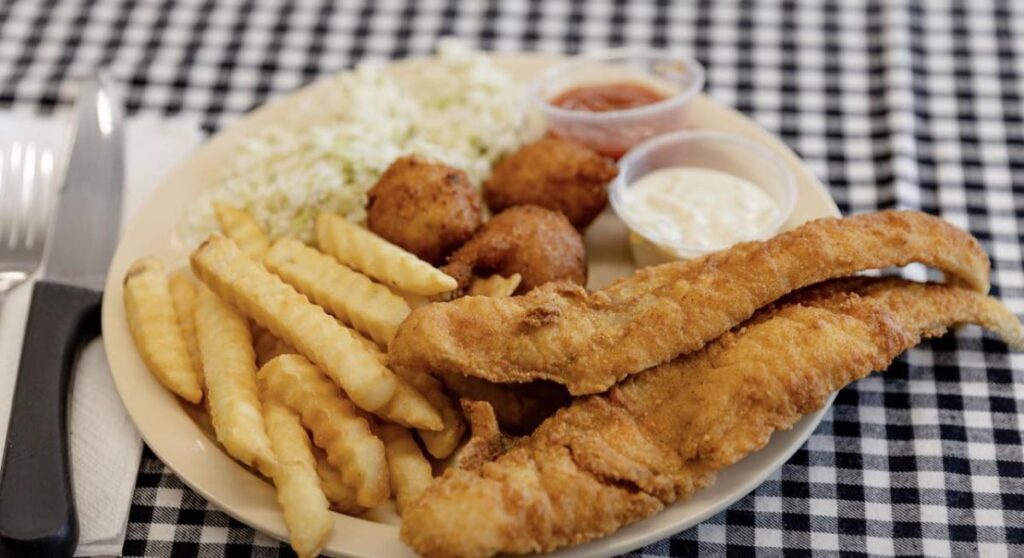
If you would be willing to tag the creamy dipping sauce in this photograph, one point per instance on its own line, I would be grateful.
(698, 207)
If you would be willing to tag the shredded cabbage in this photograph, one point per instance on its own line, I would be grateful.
(464, 112)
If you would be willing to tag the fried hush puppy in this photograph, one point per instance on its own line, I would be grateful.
(427, 208)
(539, 244)
(554, 173)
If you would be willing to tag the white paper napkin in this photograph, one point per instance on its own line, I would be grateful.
(105, 448)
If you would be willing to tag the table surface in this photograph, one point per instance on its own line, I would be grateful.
(907, 104)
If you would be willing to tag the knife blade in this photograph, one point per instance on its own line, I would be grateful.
(37, 512)
(89, 208)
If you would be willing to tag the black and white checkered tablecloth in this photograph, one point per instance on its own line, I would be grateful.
(911, 104)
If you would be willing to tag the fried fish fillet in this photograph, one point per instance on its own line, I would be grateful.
(613, 459)
(590, 341)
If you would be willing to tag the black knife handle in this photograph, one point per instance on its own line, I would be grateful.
(37, 507)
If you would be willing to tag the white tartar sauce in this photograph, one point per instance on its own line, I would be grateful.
(699, 207)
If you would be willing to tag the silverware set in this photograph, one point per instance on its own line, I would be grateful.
(37, 508)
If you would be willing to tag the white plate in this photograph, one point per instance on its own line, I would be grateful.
(193, 455)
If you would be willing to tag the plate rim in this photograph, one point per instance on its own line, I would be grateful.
(369, 538)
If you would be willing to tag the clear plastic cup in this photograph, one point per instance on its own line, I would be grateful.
(614, 132)
(709, 150)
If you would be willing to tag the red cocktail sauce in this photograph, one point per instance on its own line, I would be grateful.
(608, 96)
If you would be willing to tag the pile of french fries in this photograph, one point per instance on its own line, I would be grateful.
(285, 347)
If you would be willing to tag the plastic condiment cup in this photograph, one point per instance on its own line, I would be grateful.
(708, 150)
(614, 132)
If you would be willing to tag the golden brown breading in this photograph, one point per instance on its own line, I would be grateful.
(589, 341)
(428, 208)
(485, 442)
(537, 243)
(555, 173)
(614, 459)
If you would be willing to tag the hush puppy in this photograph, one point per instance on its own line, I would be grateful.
(554, 173)
(537, 243)
(427, 208)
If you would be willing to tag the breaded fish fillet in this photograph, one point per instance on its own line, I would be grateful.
(613, 459)
(589, 341)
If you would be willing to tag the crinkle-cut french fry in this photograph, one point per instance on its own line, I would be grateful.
(154, 327)
(440, 443)
(183, 295)
(341, 496)
(268, 346)
(371, 347)
(303, 503)
(495, 286)
(351, 296)
(229, 364)
(337, 426)
(305, 326)
(410, 471)
(411, 408)
(239, 226)
(413, 389)
(413, 300)
(359, 248)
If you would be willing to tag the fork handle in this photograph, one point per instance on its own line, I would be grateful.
(37, 509)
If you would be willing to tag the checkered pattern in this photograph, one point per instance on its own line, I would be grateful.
(900, 103)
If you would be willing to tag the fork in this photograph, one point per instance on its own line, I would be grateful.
(26, 172)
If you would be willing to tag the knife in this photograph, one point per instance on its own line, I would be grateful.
(37, 510)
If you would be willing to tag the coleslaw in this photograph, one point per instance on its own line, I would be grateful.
(464, 112)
